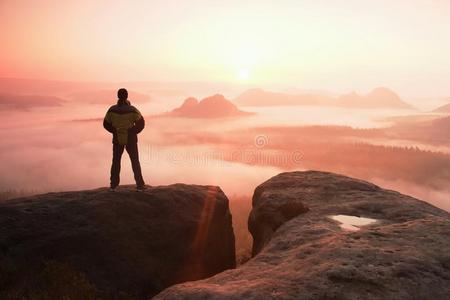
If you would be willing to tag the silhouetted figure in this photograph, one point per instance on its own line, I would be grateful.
(124, 121)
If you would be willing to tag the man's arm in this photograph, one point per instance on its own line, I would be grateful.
(139, 123)
(107, 123)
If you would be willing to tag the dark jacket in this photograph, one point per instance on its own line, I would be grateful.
(124, 121)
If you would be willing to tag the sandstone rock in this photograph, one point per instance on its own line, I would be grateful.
(404, 255)
(270, 212)
(123, 244)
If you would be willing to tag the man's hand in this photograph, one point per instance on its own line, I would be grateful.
(132, 129)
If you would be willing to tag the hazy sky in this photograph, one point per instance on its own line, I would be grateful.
(332, 45)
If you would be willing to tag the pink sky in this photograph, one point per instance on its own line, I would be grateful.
(332, 45)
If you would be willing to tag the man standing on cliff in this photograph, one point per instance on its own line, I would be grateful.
(124, 121)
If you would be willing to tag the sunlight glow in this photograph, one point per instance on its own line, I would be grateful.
(244, 74)
(338, 46)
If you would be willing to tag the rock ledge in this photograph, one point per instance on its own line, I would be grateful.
(114, 244)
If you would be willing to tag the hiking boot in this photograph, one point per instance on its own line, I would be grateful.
(140, 188)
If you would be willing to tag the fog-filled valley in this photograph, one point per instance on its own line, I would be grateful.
(54, 140)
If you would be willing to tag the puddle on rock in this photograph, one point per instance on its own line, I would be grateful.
(352, 223)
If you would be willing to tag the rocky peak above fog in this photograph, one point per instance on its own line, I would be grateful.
(216, 106)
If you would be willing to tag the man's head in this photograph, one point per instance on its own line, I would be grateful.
(122, 94)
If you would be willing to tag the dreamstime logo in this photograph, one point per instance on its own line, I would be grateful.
(261, 141)
(296, 157)
(225, 158)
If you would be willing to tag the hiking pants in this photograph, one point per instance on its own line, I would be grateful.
(132, 149)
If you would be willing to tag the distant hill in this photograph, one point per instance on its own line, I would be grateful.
(443, 109)
(154, 88)
(24, 102)
(444, 125)
(47, 87)
(433, 131)
(378, 98)
(106, 96)
(211, 107)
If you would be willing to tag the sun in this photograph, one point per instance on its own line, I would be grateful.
(243, 74)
